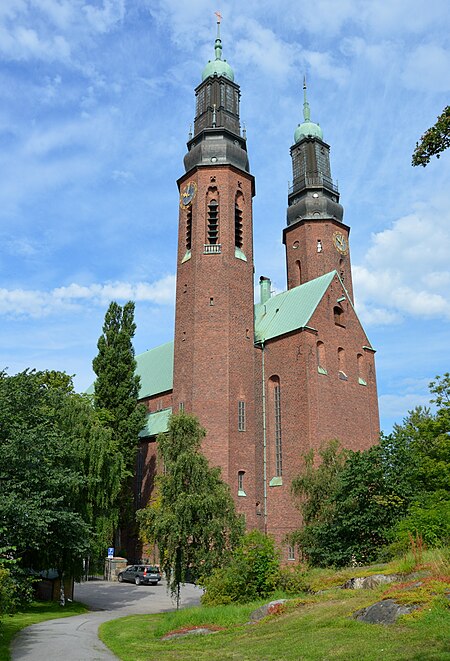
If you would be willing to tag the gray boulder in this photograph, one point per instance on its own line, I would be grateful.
(383, 612)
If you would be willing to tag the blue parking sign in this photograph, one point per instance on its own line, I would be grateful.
(110, 552)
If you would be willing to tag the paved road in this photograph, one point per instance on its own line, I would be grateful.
(76, 638)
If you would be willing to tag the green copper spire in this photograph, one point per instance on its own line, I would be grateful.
(308, 128)
(218, 66)
(306, 109)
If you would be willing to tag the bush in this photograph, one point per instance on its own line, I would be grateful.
(251, 574)
(6, 592)
(292, 580)
(429, 519)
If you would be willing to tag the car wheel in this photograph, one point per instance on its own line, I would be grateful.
(120, 578)
(137, 580)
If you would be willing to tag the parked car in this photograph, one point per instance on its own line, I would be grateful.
(138, 574)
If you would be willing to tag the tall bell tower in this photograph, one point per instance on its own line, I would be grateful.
(316, 239)
(214, 321)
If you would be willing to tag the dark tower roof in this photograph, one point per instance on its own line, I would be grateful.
(313, 193)
(217, 135)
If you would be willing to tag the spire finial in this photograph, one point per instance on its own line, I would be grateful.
(306, 109)
(218, 44)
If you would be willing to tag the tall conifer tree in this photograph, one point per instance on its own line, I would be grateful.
(117, 390)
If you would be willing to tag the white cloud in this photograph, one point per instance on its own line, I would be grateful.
(397, 406)
(427, 68)
(23, 43)
(406, 270)
(35, 303)
(103, 19)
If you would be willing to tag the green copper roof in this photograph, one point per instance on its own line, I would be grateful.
(156, 423)
(218, 66)
(291, 309)
(155, 367)
(308, 128)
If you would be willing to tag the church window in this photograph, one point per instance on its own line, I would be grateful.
(189, 229)
(181, 407)
(277, 420)
(298, 272)
(338, 314)
(319, 245)
(341, 365)
(321, 358)
(213, 222)
(241, 490)
(241, 415)
(361, 370)
(238, 227)
(211, 301)
(291, 552)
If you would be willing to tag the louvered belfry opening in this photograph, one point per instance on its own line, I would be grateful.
(213, 222)
(238, 233)
(189, 229)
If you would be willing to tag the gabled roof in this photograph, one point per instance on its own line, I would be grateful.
(280, 314)
(155, 367)
(290, 310)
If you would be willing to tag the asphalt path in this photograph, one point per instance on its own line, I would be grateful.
(76, 638)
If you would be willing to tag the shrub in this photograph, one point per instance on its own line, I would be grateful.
(251, 574)
(292, 580)
(428, 519)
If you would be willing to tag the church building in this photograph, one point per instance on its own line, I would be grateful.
(268, 381)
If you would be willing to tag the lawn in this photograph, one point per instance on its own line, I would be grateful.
(312, 627)
(38, 611)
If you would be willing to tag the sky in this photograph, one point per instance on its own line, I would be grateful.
(96, 101)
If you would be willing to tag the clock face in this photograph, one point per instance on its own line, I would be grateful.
(188, 194)
(340, 243)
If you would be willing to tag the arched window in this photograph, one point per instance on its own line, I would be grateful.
(275, 392)
(321, 358)
(339, 317)
(238, 225)
(341, 364)
(361, 370)
(241, 490)
(298, 272)
(189, 228)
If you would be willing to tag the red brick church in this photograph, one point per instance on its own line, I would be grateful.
(268, 381)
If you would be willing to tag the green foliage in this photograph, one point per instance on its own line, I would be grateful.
(429, 519)
(355, 503)
(293, 580)
(193, 522)
(317, 482)
(7, 603)
(117, 384)
(434, 141)
(59, 473)
(252, 572)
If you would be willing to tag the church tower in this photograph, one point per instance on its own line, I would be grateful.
(214, 321)
(316, 239)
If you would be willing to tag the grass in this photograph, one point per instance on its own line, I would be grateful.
(38, 611)
(311, 627)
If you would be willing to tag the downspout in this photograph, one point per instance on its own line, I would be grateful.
(264, 438)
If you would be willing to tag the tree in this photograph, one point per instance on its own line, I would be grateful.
(59, 473)
(193, 521)
(434, 141)
(117, 391)
(40, 476)
(367, 493)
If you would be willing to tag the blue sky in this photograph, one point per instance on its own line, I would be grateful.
(96, 101)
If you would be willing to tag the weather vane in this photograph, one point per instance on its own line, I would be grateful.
(219, 16)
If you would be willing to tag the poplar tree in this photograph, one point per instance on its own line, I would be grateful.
(116, 396)
(117, 384)
(193, 520)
